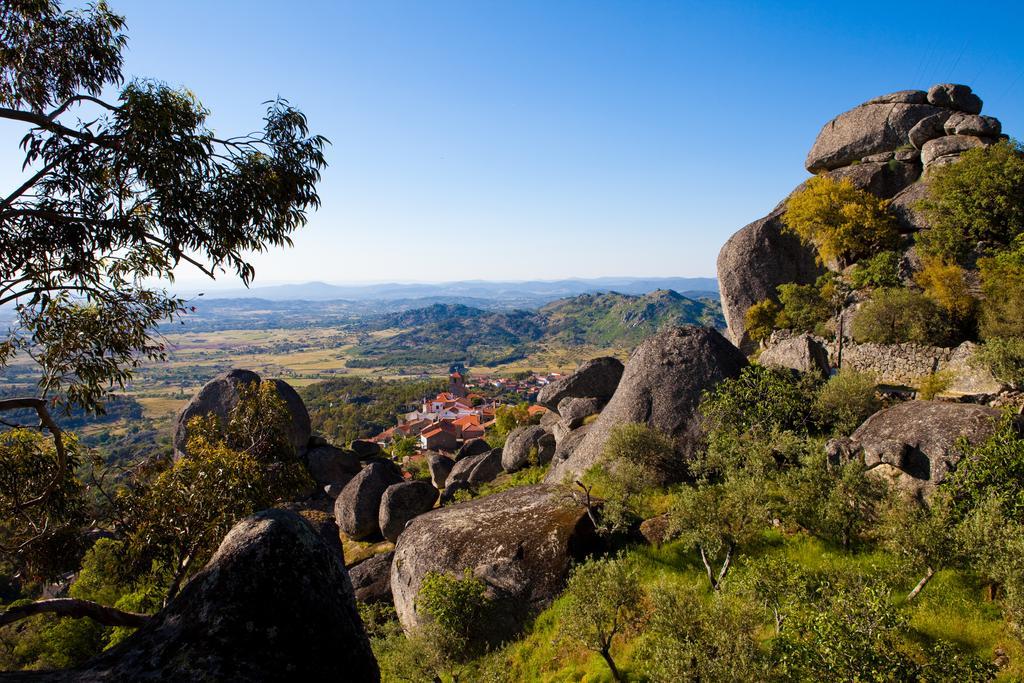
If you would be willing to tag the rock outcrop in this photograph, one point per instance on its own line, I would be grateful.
(519, 542)
(661, 387)
(802, 353)
(401, 503)
(883, 147)
(371, 578)
(524, 443)
(357, 508)
(220, 395)
(440, 467)
(331, 465)
(753, 262)
(575, 410)
(476, 469)
(915, 443)
(596, 378)
(273, 604)
(871, 128)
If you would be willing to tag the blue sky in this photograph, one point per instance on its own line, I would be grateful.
(523, 140)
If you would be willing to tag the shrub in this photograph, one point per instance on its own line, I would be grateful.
(692, 639)
(946, 285)
(760, 399)
(1004, 358)
(803, 308)
(455, 607)
(759, 319)
(846, 400)
(841, 221)
(992, 470)
(894, 316)
(930, 386)
(1002, 283)
(978, 199)
(880, 270)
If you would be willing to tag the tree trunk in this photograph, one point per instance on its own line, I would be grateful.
(929, 573)
(707, 567)
(725, 567)
(178, 577)
(70, 607)
(606, 655)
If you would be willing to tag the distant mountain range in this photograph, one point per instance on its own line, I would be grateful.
(444, 333)
(529, 294)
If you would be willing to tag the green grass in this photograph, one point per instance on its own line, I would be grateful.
(952, 607)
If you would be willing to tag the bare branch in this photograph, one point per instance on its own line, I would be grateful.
(71, 607)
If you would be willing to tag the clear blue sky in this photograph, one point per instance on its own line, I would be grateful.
(546, 139)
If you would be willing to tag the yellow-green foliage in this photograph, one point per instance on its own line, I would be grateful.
(847, 399)
(1002, 282)
(946, 284)
(759, 319)
(1004, 358)
(842, 222)
(930, 386)
(978, 199)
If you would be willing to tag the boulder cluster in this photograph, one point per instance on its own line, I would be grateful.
(884, 146)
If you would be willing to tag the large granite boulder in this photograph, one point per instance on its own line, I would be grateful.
(882, 179)
(929, 128)
(365, 449)
(802, 353)
(476, 469)
(357, 507)
(596, 378)
(401, 503)
(905, 207)
(661, 387)
(865, 130)
(371, 578)
(973, 124)
(220, 395)
(947, 149)
(915, 443)
(440, 467)
(331, 465)
(575, 410)
(753, 262)
(568, 444)
(273, 604)
(520, 543)
(524, 442)
(472, 447)
(955, 96)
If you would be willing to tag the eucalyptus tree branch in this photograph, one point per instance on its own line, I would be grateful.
(71, 607)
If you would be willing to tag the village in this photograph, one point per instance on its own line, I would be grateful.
(465, 411)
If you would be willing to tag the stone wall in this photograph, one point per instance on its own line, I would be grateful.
(905, 364)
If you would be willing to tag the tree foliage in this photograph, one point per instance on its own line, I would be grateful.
(896, 316)
(846, 400)
(842, 222)
(976, 202)
(880, 270)
(176, 520)
(118, 194)
(603, 601)
(1002, 284)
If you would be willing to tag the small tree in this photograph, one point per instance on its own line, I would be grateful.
(717, 519)
(177, 520)
(946, 285)
(691, 638)
(779, 584)
(841, 221)
(603, 600)
(921, 535)
(979, 199)
(456, 611)
(880, 270)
